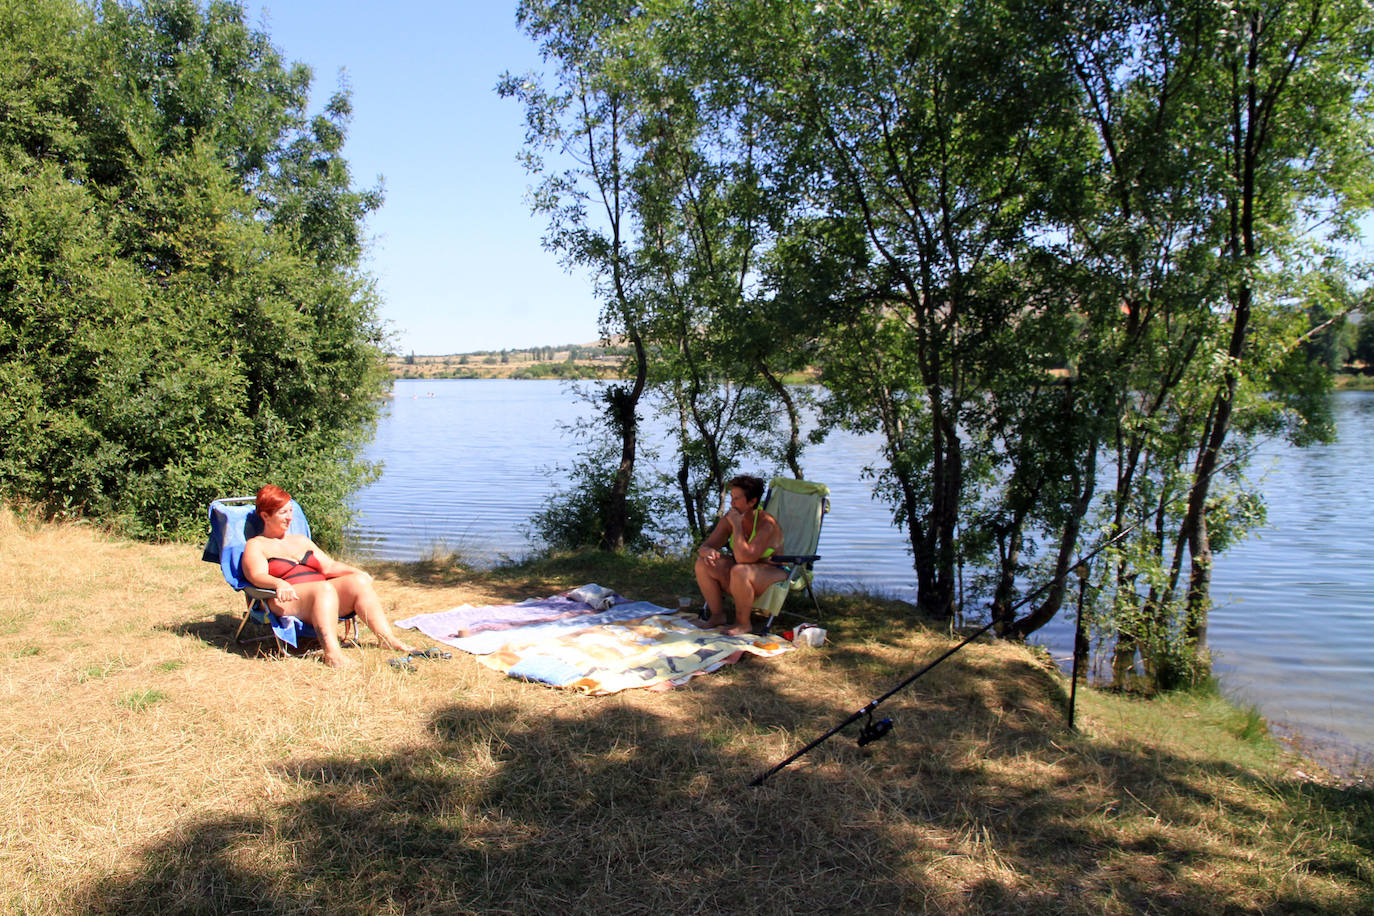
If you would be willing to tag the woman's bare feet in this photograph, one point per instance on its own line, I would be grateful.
(339, 660)
(397, 646)
(738, 630)
(712, 622)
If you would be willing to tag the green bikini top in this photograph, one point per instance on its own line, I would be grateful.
(730, 541)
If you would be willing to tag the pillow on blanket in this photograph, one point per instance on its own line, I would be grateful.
(598, 596)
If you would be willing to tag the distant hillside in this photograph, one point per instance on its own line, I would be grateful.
(593, 360)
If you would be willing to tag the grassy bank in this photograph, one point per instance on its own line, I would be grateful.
(150, 765)
(1346, 382)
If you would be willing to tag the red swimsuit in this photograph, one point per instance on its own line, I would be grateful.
(306, 569)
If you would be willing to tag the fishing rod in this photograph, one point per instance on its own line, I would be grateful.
(873, 731)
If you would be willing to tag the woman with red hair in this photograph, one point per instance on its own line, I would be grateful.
(309, 583)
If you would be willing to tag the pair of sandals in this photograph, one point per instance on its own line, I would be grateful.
(406, 663)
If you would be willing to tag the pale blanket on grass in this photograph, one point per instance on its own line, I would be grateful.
(658, 651)
(454, 626)
(636, 644)
(466, 620)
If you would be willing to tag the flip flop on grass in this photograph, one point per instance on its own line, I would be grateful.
(402, 663)
(431, 652)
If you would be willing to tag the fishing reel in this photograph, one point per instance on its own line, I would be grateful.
(872, 731)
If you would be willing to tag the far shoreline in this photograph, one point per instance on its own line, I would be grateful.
(602, 362)
(568, 361)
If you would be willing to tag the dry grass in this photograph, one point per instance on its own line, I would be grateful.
(149, 765)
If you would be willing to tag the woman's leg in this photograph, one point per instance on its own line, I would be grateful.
(713, 576)
(318, 605)
(747, 582)
(356, 594)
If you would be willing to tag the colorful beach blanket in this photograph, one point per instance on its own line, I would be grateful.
(657, 651)
(440, 625)
(631, 644)
(465, 620)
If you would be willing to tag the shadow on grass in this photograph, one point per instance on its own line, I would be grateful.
(437, 572)
(658, 580)
(980, 802)
(219, 632)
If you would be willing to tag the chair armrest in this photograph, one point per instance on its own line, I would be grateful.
(252, 591)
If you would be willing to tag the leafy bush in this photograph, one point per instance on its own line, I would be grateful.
(1364, 342)
(181, 311)
(565, 370)
(575, 517)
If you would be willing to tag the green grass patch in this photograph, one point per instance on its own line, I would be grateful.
(99, 670)
(140, 700)
(1248, 725)
(657, 579)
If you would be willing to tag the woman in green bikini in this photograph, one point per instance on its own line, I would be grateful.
(752, 536)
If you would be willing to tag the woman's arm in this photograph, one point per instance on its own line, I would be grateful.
(255, 571)
(716, 539)
(766, 535)
(333, 568)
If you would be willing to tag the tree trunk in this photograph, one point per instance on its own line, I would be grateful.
(792, 451)
(1008, 559)
(623, 404)
(1068, 547)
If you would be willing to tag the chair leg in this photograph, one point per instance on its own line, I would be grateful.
(249, 604)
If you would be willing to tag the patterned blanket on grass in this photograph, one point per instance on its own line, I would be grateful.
(658, 651)
(441, 625)
(635, 644)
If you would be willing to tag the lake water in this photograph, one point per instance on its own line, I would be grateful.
(468, 461)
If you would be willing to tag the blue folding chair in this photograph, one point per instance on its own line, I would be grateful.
(233, 520)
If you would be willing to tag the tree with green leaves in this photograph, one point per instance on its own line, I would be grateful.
(181, 310)
(1195, 348)
(1056, 261)
(1364, 342)
(585, 120)
(1291, 103)
(707, 197)
(661, 201)
(922, 136)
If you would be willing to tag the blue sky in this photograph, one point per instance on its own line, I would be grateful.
(456, 253)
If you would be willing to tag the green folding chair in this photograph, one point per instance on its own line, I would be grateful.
(800, 507)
